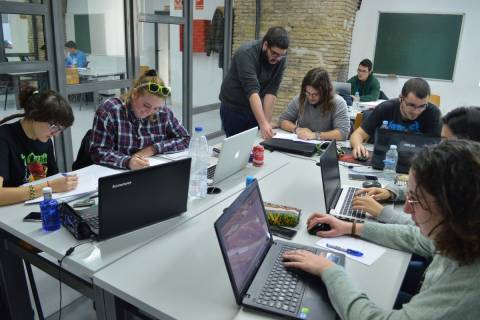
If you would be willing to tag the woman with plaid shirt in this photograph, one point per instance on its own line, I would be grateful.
(126, 132)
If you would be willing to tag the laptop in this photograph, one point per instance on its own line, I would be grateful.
(233, 157)
(255, 266)
(344, 88)
(290, 146)
(134, 199)
(408, 144)
(338, 200)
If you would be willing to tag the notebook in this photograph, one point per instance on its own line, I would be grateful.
(134, 199)
(233, 157)
(255, 266)
(290, 146)
(338, 200)
(408, 144)
(344, 88)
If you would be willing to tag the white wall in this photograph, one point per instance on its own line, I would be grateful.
(465, 87)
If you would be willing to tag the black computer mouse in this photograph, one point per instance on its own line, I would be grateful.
(361, 158)
(319, 227)
(324, 145)
(371, 184)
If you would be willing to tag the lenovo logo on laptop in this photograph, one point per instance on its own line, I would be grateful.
(120, 185)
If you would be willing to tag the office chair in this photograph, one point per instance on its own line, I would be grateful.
(435, 99)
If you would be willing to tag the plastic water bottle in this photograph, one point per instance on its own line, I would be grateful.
(384, 124)
(198, 150)
(356, 100)
(391, 164)
(49, 211)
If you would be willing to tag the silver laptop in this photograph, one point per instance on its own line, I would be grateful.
(338, 200)
(342, 87)
(233, 156)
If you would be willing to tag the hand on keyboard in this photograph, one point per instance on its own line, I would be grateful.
(307, 261)
(367, 203)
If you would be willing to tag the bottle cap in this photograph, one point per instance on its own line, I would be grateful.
(385, 122)
(249, 180)
(198, 129)
(47, 193)
(393, 146)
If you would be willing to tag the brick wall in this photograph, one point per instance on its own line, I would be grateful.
(320, 35)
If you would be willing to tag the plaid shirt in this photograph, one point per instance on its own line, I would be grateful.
(118, 134)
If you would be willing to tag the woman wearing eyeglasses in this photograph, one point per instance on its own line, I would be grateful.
(26, 147)
(442, 198)
(317, 112)
(127, 131)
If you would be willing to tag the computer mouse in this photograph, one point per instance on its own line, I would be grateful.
(319, 227)
(361, 158)
(371, 184)
(324, 145)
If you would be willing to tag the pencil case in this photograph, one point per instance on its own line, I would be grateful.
(281, 215)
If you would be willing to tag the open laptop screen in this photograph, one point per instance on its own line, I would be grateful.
(330, 174)
(244, 238)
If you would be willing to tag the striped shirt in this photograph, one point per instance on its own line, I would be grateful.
(118, 133)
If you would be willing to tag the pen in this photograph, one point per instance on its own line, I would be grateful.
(348, 251)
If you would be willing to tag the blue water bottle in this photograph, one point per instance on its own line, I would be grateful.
(49, 211)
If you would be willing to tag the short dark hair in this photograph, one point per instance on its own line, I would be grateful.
(71, 44)
(277, 37)
(450, 173)
(418, 86)
(367, 63)
(464, 122)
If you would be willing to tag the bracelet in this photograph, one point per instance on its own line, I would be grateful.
(354, 227)
(31, 192)
(48, 184)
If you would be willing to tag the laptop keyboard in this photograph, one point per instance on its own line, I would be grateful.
(282, 290)
(211, 171)
(347, 210)
(92, 221)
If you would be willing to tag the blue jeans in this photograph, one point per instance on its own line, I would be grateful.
(234, 122)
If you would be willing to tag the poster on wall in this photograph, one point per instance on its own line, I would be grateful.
(199, 4)
(178, 5)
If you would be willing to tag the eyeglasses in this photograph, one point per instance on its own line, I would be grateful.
(362, 70)
(277, 55)
(154, 88)
(312, 94)
(414, 106)
(53, 128)
(413, 203)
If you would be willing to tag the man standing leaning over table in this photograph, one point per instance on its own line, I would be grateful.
(410, 112)
(365, 83)
(249, 90)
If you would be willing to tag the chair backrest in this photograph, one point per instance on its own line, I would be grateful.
(358, 120)
(83, 156)
(382, 96)
(435, 99)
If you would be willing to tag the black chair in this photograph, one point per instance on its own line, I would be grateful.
(83, 156)
(382, 96)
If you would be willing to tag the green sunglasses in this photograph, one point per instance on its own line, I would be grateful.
(154, 88)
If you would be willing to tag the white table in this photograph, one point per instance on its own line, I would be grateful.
(89, 258)
(181, 275)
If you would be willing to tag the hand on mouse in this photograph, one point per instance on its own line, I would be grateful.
(360, 152)
(337, 226)
(368, 204)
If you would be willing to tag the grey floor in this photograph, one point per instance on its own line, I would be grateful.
(75, 306)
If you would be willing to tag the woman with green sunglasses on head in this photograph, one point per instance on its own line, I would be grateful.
(127, 131)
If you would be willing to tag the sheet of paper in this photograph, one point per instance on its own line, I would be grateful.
(176, 155)
(87, 182)
(293, 137)
(371, 104)
(371, 251)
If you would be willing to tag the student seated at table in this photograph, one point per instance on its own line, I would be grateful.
(317, 112)
(365, 83)
(127, 130)
(410, 112)
(26, 147)
(448, 231)
(460, 123)
(75, 58)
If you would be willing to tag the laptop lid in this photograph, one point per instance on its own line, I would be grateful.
(344, 88)
(296, 147)
(330, 175)
(134, 199)
(244, 238)
(234, 154)
(408, 144)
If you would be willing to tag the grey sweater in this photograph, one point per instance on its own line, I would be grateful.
(449, 291)
(314, 119)
(390, 215)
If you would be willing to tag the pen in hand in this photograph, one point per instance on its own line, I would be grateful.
(346, 250)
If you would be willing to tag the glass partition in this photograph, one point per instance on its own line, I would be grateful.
(23, 37)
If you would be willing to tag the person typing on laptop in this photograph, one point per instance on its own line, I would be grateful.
(127, 131)
(365, 83)
(448, 231)
(317, 113)
(410, 112)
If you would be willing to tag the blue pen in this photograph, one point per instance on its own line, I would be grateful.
(348, 251)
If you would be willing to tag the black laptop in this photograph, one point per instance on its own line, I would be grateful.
(408, 144)
(290, 146)
(135, 199)
(255, 265)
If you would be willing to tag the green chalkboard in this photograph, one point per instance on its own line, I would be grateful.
(417, 45)
(82, 32)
